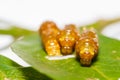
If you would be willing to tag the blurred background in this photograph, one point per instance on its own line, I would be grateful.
(30, 14)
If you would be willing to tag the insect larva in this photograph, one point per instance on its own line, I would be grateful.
(67, 39)
(87, 47)
(48, 32)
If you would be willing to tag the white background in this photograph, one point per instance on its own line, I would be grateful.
(31, 13)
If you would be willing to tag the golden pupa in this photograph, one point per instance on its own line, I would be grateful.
(48, 32)
(87, 47)
(67, 39)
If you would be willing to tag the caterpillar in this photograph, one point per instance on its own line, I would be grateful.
(67, 39)
(48, 32)
(87, 47)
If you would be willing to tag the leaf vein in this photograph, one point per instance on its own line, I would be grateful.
(101, 73)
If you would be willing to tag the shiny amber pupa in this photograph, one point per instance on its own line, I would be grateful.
(87, 47)
(67, 39)
(48, 32)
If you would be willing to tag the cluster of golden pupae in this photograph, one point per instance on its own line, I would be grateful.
(63, 42)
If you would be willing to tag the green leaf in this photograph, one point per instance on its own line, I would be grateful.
(101, 24)
(16, 32)
(106, 67)
(9, 70)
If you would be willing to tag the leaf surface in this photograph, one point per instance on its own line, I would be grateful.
(9, 70)
(16, 32)
(106, 66)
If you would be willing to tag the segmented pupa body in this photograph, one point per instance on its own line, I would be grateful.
(48, 32)
(67, 39)
(87, 47)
